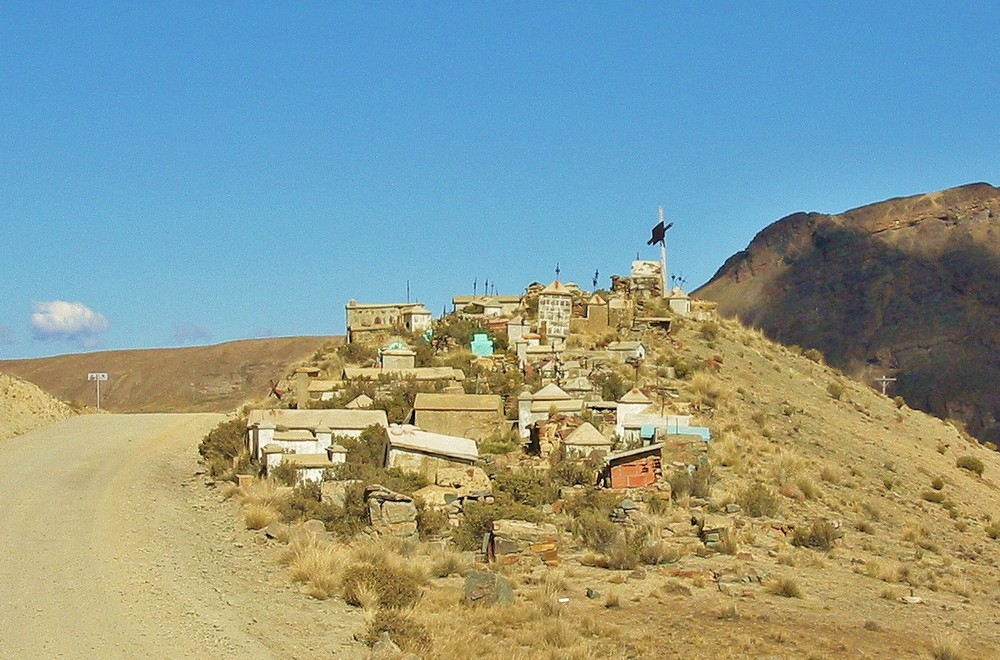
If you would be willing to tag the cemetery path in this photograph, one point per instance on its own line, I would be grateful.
(112, 546)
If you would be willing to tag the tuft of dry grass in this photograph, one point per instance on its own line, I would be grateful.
(259, 516)
(316, 563)
(786, 587)
(612, 600)
(945, 647)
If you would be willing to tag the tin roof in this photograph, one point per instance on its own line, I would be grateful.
(469, 402)
(335, 419)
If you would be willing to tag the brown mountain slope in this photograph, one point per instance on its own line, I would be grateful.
(25, 406)
(905, 287)
(192, 379)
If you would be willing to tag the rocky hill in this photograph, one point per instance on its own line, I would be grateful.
(906, 288)
(214, 378)
(24, 406)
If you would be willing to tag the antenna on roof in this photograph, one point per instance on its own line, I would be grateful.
(557, 271)
(407, 290)
(596, 274)
(475, 283)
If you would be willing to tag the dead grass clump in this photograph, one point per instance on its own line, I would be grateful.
(411, 635)
(934, 496)
(448, 562)
(228, 490)
(786, 468)
(759, 501)
(945, 647)
(830, 474)
(971, 463)
(808, 489)
(821, 535)
(706, 391)
(395, 581)
(612, 600)
(993, 530)
(260, 491)
(259, 516)
(559, 634)
(314, 562)
(786, 587)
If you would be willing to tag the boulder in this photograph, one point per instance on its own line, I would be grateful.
(482, 588)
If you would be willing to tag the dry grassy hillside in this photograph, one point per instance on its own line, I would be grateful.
(24, 406)
(862, 528)
(193, 379)
(904, 287)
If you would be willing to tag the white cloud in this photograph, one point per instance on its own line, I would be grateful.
(58, 320)
(187, 333)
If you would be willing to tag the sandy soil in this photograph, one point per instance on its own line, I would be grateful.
(113, 547)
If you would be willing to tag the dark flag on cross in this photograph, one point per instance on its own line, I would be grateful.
(659, 233)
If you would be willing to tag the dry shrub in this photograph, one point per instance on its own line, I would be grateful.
(993, 530)
(559, 634)
(726, 451)
(374, 569)
(935, 496)
(259, 516)
(705, 390)
(786, 468)
(448, 562)
(971, 463)
(229, 490)
(411, 635)
(821, 535)
(759, 501)
(261, 491)
(596, 531)
(945, 647)
(808, 489)
(612, 600)
(314, 562)
(786, 587)
(830, 474)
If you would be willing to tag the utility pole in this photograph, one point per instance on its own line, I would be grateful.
(885, 380)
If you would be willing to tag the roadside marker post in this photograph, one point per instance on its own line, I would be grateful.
(97, 377)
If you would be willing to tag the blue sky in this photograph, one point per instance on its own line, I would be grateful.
(176, 173)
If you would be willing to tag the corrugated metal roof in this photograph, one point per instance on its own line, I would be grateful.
(407, 436)
(323, 385)
(434, 401)
(639, 451)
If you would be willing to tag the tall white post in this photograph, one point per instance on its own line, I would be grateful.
(663, 260)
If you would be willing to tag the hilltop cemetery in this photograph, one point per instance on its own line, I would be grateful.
(581, 442)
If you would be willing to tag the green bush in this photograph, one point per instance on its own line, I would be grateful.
(530, 487)
(500, 442)
(697, 483)
(431, 522)
(479, 516)
(223, 444)
(573, 473)
(971, 463)
(596, 531)
(355, 353)
(709, 330)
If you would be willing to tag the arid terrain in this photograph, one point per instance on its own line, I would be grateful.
(25, 406)
(906, 288)
(215, 378)
(114, 547)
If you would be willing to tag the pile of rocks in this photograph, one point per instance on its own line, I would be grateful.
(454, 487)
(391, 513)
(513, 541)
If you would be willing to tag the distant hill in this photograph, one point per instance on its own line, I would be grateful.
(905, 287)
(191, 379)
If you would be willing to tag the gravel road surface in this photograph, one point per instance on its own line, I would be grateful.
(112, 546)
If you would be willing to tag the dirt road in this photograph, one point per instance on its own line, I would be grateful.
(112, 546)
